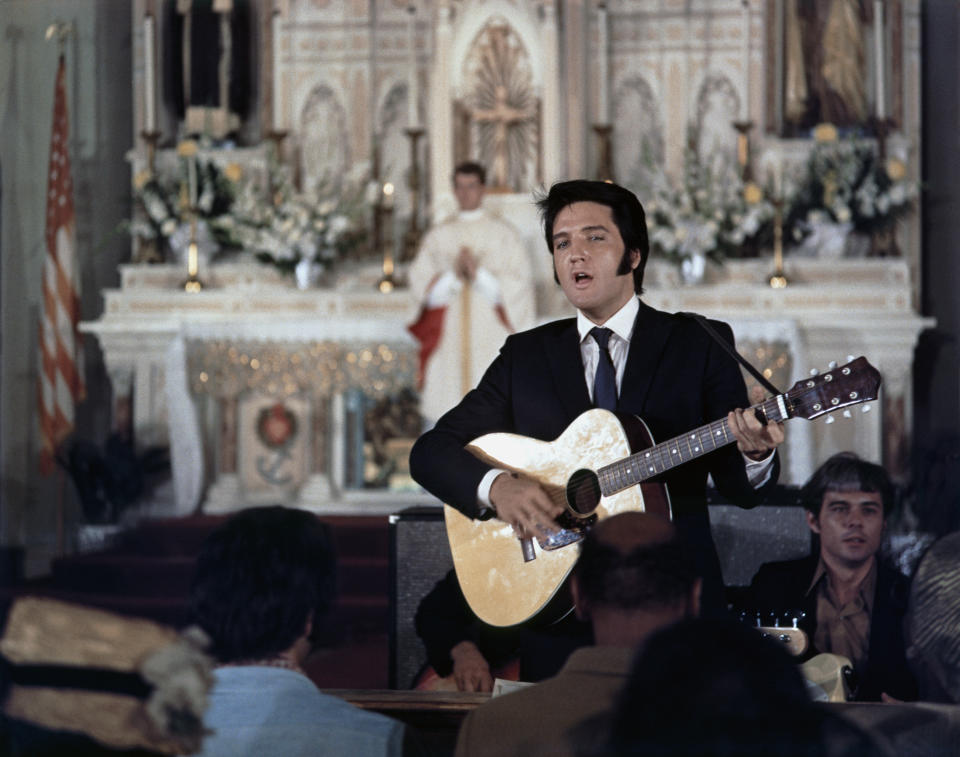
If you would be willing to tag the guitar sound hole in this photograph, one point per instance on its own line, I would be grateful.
(583, 492)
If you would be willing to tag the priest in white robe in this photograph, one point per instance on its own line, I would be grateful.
(474, 281)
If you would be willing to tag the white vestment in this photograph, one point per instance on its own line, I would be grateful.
(475, 333)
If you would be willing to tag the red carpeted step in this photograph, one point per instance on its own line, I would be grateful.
(125, 574)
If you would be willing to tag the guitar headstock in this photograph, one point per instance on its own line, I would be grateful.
(849, 384)
(794, 640)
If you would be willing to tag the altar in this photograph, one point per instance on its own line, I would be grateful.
(267, 393)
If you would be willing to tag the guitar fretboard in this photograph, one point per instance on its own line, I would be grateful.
(669, 454)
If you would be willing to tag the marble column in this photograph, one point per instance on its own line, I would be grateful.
(551, 118)
(440, 120)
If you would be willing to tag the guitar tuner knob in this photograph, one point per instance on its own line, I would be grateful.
(814, 371)
(847, 414)
(830, 419)
(850, 358)
(832, 364)
(845, 371)
(866, 408)
(785, 638)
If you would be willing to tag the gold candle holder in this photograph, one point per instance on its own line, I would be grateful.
(411, 240)
(604, 134)
(743, 149)
(778, 279)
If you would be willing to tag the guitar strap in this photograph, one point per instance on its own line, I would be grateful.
(733, 353)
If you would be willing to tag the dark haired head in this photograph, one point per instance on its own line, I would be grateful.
(259, 578)
(471, 168)
(715, 687)
(633, 561)
(627, 212)
(845, 472)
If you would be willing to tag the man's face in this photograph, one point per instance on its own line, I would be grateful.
(468, 190)
(850, 526)
(587, 250)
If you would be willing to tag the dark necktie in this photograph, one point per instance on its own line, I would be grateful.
(605, 379)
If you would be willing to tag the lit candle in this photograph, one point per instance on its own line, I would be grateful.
(149, 77)
(388, 196)
(412, 89)
(602, 72)
(277, 112)
(193, 257)
(745, 104)
(878, 57)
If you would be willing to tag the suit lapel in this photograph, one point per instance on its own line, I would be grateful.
(651, 331)
(566, 367)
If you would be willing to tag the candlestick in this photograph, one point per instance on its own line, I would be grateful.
(745, 105)
(193, 283)
(149, 76)
(778, 279)
(387, 283)
(413, 117)
(603, 116)
(878, 57)
(192, 181)
(278, 120)
(411, 240)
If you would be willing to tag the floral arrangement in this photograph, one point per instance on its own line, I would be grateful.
(166, 200)
(321, 226)
(712, 215)
(845, 182)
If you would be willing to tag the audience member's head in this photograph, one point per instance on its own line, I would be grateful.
(262, 580)
(632, 577)
(933, 622)
(717, 687)
(846, 472)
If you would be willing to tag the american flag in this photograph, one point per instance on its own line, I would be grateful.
(61, 355)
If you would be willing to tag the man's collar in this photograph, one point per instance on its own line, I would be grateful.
(471, 215)
(867, 587)
(621, 322)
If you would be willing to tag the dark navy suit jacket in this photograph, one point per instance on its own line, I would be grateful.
(677, 378)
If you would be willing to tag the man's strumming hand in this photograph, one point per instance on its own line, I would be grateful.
(524, 505)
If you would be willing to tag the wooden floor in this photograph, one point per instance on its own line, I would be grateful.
(147, 573)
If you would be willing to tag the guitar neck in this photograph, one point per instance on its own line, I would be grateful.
(667, 455)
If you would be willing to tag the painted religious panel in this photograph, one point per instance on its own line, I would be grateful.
(273, 446)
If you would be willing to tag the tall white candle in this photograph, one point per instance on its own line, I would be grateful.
(745, 104)
(878, 58)
(603, 115)
(413, 117)
(149, 76)
(278, 119)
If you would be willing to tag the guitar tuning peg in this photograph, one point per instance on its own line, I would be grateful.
(847, 414)
(850, 358)
(830, 419)
(866, 409)
(832, 364)
(814, 371)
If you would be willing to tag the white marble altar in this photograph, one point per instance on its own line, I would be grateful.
(829, 311)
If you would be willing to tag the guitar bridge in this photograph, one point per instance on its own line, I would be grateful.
(572, 530)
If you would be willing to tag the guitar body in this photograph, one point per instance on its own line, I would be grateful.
(500, 586)
(600, 466)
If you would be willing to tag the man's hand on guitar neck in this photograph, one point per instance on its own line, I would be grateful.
(524, 505)
(756, 440)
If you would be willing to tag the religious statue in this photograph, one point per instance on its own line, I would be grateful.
(208, 69)
(825, 75)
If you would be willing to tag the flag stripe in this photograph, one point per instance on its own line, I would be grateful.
(60, 386)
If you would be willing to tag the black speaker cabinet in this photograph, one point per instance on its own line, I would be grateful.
(419, 557)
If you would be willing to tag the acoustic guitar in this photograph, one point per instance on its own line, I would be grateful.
(600, 466)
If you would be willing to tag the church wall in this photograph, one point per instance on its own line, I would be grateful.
(99, 86)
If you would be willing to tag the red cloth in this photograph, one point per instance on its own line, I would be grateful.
(427, 330)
